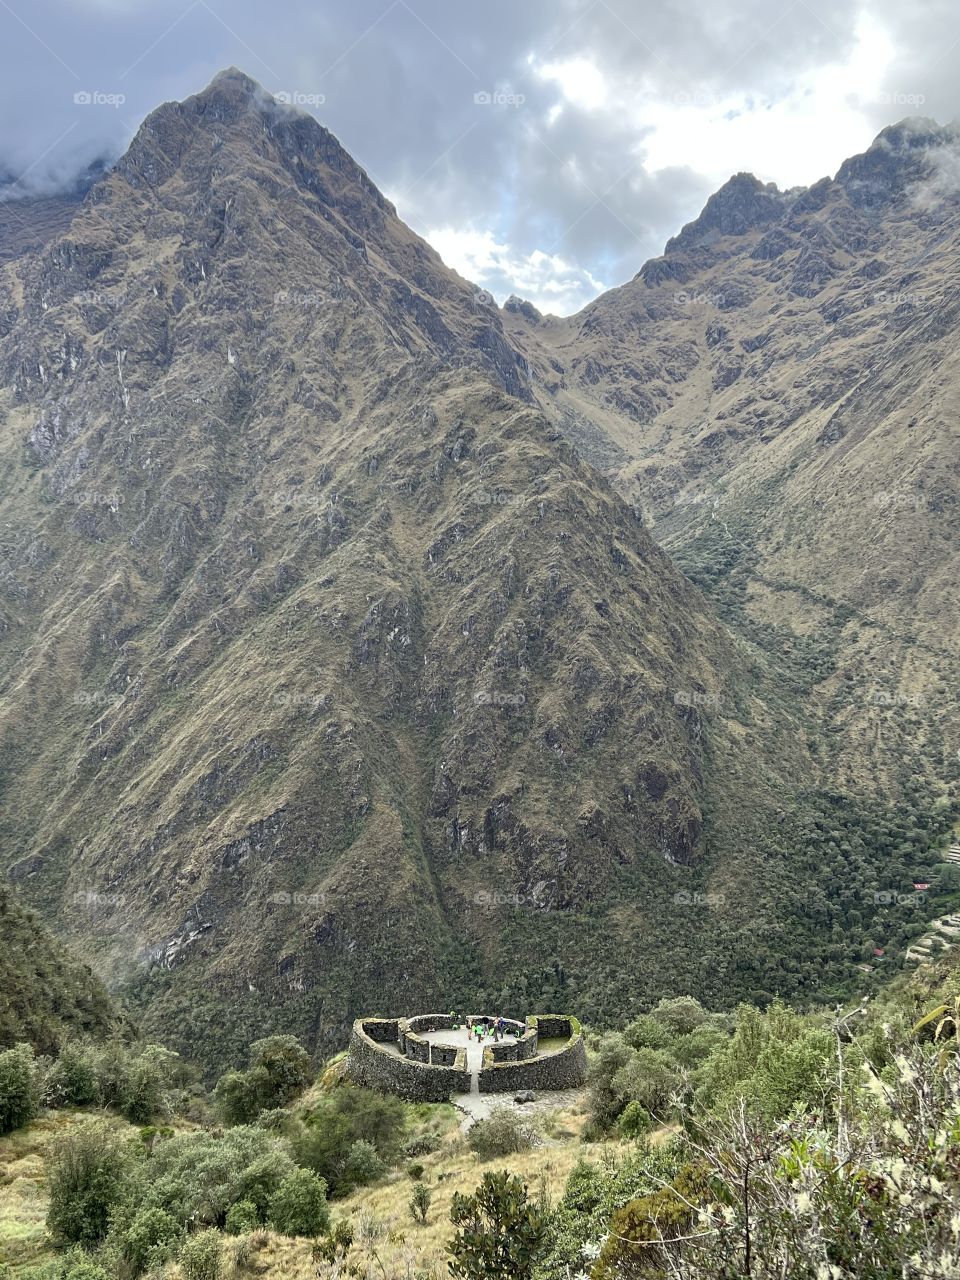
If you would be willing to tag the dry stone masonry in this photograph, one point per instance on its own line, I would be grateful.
(394, 1056)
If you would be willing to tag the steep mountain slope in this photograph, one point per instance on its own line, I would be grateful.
(332, 678)
(46, 994)
(778, 394)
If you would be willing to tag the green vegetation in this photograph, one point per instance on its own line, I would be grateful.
(763, 1142)
(503, 1132)
(279, 1071)
(499, 1232)
(18, 1087)
(46, 995)
(87, 1173)
(420, 1202)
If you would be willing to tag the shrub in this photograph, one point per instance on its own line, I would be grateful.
(147, 1241)
(74, 1265)
(242, 1217)
(346, 1116)
(649, 1077)
(681, 1015)
(647, 1032)
(633, 1121)
(663, 1214)
(85, 1176)
(363, 1164)
(113, 1073)
(197, 1177)
(299, 1205)
(775, 1060)
(71, 1080)
(201, 1256)
(279, 1071)
(503, 1132)
(19, 1097)
(235, 1096)
(415, 1170)
(145, 1092)
(606, 1102)
(420, 1202)
(500, 1234)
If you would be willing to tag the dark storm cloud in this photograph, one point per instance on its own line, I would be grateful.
(405, 86)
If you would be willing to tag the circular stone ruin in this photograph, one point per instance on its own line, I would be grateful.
(429, 1058)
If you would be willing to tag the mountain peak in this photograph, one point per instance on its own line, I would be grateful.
(236, 110)
(898, 158)
(742, 203)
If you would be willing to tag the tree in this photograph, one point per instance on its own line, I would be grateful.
(279, 1071)
(72, 1080)
(420, 1202)
(145, 1095)
(85, 1175)
(501, 1234)
(299, 1205)
(18, 1087)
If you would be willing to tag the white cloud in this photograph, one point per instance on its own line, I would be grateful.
(806, 132)
(580, 81)
(547, 280)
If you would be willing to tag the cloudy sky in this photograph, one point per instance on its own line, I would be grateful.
(545, 147)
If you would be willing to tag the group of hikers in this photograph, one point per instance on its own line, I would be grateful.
(482, 1028)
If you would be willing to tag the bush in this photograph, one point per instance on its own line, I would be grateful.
(74, 1265)
(19, 1097)
(420, 1202)
(681, 1015)
(71, 1080)
(503, 1132)
(145, 1094)
(196, 1177)
(500, 1234)
(663, 1214)
(86, 1169)
(146, 1242)
(363, 1164)
(299, 1205)
(633, 1121)
(647, 1032)
(279, 1071)
(201, 1256)
(649, 1077)
(242, 1217)
(775, 1060)
(342, 1118)
(606, 1102)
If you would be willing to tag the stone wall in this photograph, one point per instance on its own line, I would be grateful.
(565, 1069)
(371, 1065)
(514, 1050)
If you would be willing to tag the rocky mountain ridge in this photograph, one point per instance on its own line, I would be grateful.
(331, 676)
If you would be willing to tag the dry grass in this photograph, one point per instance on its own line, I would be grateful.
(23, 1197)
(384, 1226)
